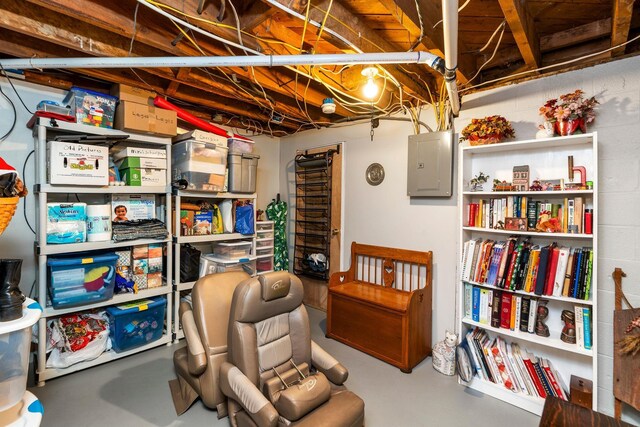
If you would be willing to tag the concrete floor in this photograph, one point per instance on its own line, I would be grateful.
(134, 392)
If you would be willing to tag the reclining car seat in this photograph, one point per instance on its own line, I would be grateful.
(276, 375)
(204, 324)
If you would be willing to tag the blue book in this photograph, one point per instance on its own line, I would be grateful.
(475, 308)
(576, 279)
(586, 318)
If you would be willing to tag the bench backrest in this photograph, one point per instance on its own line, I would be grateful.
(401, 269)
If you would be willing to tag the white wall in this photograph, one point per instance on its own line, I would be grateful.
(268, 181)
(384, 215)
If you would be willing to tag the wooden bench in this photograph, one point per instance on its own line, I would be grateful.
(382, 304)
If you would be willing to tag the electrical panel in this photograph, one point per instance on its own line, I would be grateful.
(430, 166)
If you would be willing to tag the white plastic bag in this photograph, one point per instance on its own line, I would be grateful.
(64, 359)
(226, 207)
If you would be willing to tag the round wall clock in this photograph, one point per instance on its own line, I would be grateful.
(375, 174)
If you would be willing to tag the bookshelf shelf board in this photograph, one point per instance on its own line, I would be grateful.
(63, 127)
(550, 236)
(94, 246)
(208, 195)
(107, 356)
(532, 404)
(533, 338)
(532, 144)
(125, 189)
(542, 194)
(117, 299)
(530, 294)
(211, 238)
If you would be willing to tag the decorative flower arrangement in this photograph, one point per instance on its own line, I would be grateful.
(570, 107)
(488, 130)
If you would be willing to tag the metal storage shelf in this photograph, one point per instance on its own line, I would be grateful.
(43, 131)
(211, 238)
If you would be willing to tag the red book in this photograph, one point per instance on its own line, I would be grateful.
(512, 266)
(473, 212)
(505, 315)
(552, 380)
(551, 271)
(534, 376)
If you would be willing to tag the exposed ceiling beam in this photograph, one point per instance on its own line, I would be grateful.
(356, 32)
(257, 13)
(182, 73)
(577, 51)
(523, 30)
(405, 12)
(575, 35)
(113, 18)
(622, 12)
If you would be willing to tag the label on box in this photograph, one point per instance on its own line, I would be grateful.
(78, 164)
(153, 153)
(137, 177)
(141, 162)
(202, 136)
(129, 207)
(141, 305)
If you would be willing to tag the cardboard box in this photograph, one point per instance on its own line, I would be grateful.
(78, 164)
(155, 265)
(154, 280)
(136, 206)
(149, 153)
(124, 258)
(91, 108)
(140, 266)
(137, 177)
(134, 117)
(201, 136)
(141, 162)
(141, 252)
(140, 281)
(133, 94)
(155, 250)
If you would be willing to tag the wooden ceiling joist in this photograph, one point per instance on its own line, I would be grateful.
(572, 36)
(523, 30)
(622, 12)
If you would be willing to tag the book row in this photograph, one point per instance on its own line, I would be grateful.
(524, 214)
(518, 265)
(517, 312)
(507, 365)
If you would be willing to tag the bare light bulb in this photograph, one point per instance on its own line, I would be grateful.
(370, 89)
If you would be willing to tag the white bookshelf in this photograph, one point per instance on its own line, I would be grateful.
(547, 159)
(44, 131)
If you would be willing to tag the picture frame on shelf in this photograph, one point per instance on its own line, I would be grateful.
(552, 184)
(515, 224)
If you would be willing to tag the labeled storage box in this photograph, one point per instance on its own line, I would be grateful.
(91, 108)
(134, 117)
(150, 153)
(240, 145)
(232, 250)
(210, 264)
(141, 177)
(136, 324)
(203, 165)
(243, 169)
(81, 280)
(132, 94)
(141, 162)
(201, 136)
(77, 164)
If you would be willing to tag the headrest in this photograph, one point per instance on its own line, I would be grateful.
(275, 285)
(257, 299)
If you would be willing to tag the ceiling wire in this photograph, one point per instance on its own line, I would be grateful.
(495, 50)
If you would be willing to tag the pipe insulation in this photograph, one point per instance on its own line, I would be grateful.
(224, 61)
(450, 30)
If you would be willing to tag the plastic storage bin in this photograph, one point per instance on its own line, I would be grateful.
(232, 250)
(263, 243)
(265, 234)
(264, 225)
(264, 264)
(81, 280)
(91, 108)
(264, 251)
(15, 345)
(203, 165)
(240, 145)
(243, 169)
(136, 324)
(210, 264)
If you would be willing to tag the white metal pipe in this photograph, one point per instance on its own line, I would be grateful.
(450, 30)
(222, 61)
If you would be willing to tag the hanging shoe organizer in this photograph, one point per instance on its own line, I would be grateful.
(313, 214)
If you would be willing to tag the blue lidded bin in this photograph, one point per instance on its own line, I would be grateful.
(136, 324)
(81, 279)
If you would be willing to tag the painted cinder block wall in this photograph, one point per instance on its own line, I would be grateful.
(384, 215)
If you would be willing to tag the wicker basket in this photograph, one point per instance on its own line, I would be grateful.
(8, 207)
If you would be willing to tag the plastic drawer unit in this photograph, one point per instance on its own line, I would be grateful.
(81, 280)
(136, 324)
(232, 250)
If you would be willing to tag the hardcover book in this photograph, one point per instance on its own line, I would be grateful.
(496, 312)
(542, 270)
(579, 326)
(524, 314)
(586, 318)
(505, 310)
